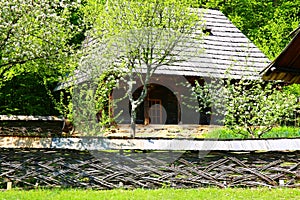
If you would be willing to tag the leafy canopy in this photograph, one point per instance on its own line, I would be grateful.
(34, 35)
(37, 39)
(114, 17)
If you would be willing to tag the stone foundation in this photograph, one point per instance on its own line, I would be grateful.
(161, 131)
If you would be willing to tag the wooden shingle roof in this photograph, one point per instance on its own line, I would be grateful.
(226, 51)
(287, 65)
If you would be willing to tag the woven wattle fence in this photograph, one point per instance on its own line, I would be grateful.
(33, 154)
(30, 168)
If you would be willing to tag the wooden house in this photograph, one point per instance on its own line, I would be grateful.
(227, 52)
(286, 66)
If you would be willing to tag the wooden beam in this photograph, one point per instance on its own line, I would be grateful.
(102, 143)
(295, 71)
(177, 144)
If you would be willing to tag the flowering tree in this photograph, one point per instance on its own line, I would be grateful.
(37, 39)
(146, 34)
(250, 106)
(35, 36)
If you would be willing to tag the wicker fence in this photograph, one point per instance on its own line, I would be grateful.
(30, 168)
(30, 162)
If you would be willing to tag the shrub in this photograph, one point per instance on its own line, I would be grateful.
(250, 107)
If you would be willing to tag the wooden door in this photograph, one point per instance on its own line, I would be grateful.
(155, 111)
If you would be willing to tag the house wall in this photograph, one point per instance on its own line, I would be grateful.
(171, 90)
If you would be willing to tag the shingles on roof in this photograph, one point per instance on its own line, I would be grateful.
(227, 51)
(287, 65)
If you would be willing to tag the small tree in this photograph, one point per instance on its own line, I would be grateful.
(147, 34)
(251, 106)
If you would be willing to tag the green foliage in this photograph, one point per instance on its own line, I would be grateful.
(116, 17)
(283, 131)
(64, 104)
(104, 105)
(256, 106)
(292, 89)
(26, 94)
(251, 107)
(276, 132)
(34, 35)
(84, 112)
(40, 38)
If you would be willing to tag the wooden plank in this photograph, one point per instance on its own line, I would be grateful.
(102, 143)
(176, 144)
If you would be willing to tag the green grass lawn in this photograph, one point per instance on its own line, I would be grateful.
(201, 193)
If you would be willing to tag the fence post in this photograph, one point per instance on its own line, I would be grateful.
(9, 185)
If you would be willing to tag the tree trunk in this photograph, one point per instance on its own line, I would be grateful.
(132, 123)
(146, 112)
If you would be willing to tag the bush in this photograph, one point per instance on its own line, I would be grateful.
(26, 94)
(250, 107)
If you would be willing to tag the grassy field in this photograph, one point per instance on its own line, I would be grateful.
(208, 193)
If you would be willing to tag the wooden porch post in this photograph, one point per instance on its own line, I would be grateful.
(146, 112)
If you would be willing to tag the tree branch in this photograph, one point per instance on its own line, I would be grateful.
(9, 32)
(7, 66)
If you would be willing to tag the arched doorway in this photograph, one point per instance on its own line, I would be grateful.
(159, 107)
